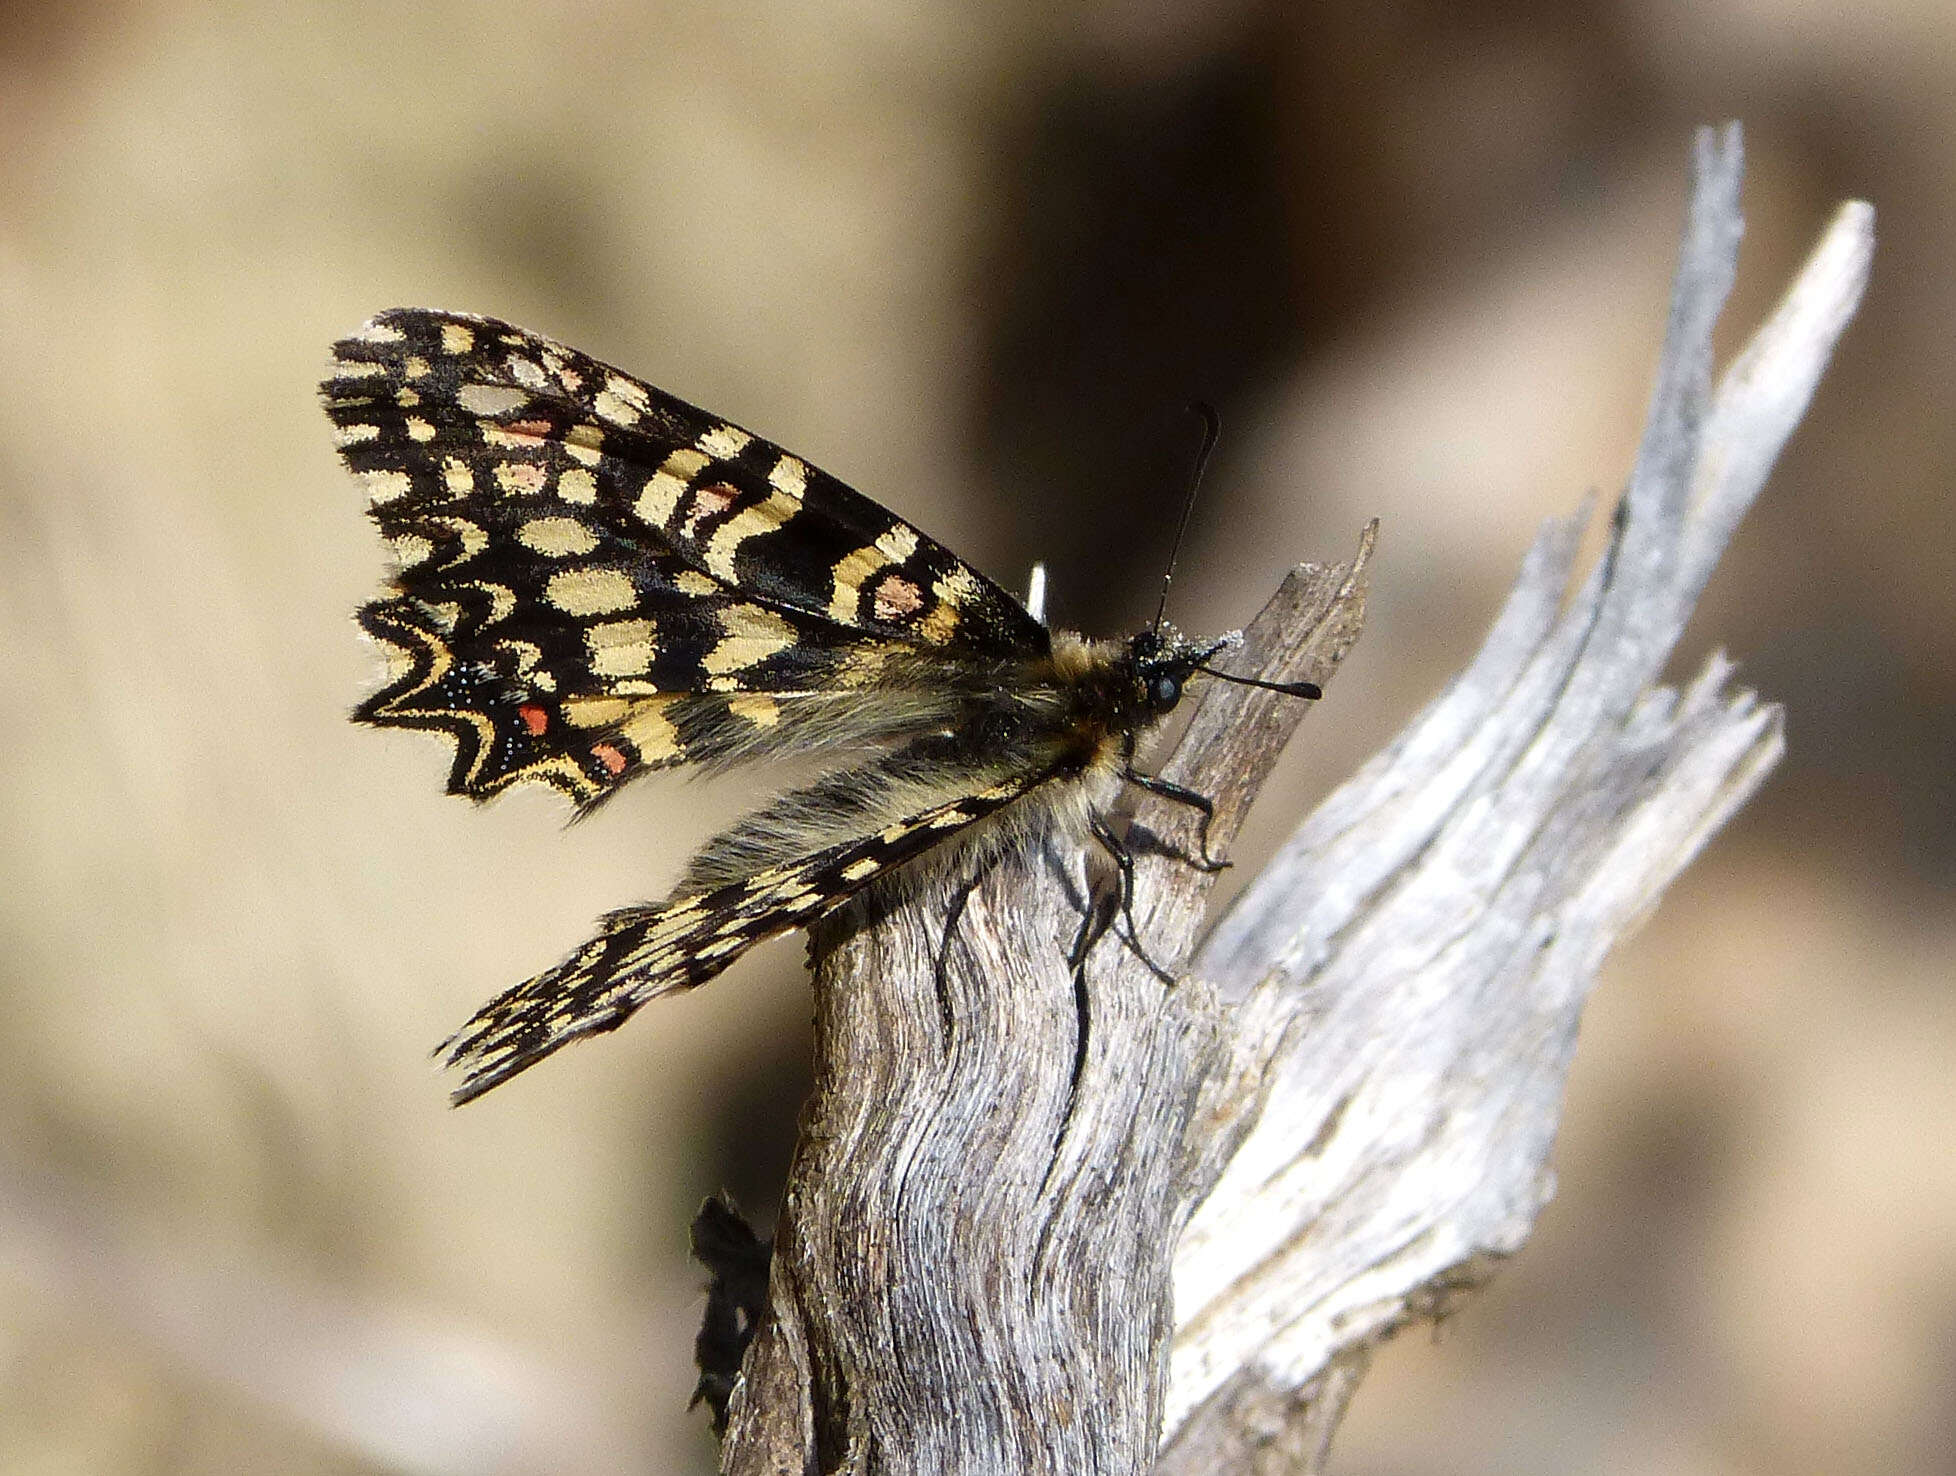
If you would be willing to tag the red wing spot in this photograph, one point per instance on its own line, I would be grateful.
(534, 718)
(897, 597)
(613, 760)
(708, 502)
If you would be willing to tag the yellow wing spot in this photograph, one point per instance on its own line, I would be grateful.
(760, 710)
(385, 486)
(789, 476)
(658, 503)
(590, 591)
(615, 407)
(753, 635)
(960, 587)
(724, 441)
(898, 543)
(630, 391)
(491, 399)
(863, 665)
(577, 485)
(353, 435)
(950, 819)
(526, 655)
(527, 372)
(411, 549)
(407, 398)
(660, 500)
(521, 479)
(620, 648)
(651, 732)
(939, 625)
(595, 712)
(848, 575)
(400, 661)
(894, 834)
(554, 538)
(692, 582)
(763, 517)
(502, 602)
(457, 338)
(796, 894)
(620, 633)
(457, 477)
(358, 368)
(855, 871)
(585, 442)
(474, 540)
(562, 766)
(954, 591)
(419, 429)
(681, 911)
(415, 367)
(378, 332)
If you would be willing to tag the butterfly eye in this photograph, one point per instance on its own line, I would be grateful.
(1164, 691)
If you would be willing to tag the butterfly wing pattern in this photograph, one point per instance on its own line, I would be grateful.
(594, 579)
(597, 578)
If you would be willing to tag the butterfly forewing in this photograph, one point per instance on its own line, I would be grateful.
(595, 577)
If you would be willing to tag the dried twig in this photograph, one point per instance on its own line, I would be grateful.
(982, 1265)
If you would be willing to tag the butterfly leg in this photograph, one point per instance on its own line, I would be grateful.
(1093, 923)
(1182, 795)
(1124, 865)
(953, 915)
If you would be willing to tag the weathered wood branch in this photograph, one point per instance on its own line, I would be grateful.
(1040, 1222)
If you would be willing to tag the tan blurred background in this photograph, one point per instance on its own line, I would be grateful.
(973, 260)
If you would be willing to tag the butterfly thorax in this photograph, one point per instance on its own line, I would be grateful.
(1103, 695)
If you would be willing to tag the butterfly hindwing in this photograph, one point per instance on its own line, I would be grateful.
(596, 577)
(644, 952)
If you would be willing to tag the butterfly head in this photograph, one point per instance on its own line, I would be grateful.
(1163, 662)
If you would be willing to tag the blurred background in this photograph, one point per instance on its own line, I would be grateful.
(974, 261)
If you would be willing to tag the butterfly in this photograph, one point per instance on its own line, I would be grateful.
(594, 579)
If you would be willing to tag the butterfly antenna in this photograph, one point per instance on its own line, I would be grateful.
(1211, 432)
(1310, 690)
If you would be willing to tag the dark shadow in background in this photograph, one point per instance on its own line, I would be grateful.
(744, 1136)
(1141, 260)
